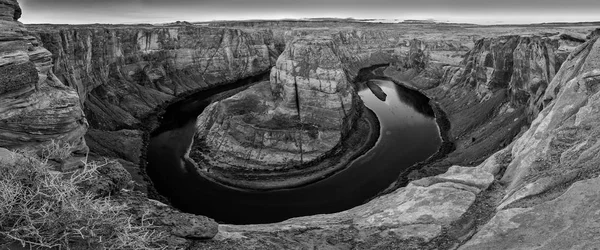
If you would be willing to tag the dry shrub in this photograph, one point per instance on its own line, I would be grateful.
(42, 208)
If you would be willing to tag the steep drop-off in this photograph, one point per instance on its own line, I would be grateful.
(300, 117)
(302, 113)
(540, 192)
(123, 73)
(35, 106)
(489, 97)
(551, 174)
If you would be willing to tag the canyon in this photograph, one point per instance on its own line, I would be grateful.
(516, 108)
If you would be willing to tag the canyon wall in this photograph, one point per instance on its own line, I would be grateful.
(543, 186)
(304, 113)
(551, 179)
(497, 90)
(299, 115)
(36, 108)
(539, 192)
(123, 73)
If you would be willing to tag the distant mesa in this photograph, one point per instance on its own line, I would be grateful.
(427, 21)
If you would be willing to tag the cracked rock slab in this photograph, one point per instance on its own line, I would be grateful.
(571, 221)
(418, 211)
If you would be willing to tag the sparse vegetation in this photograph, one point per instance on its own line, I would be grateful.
(56, 150)
(40, 208)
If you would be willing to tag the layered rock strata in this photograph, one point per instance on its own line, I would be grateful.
(300, 115)
(36, 108)
(496, 90)
(258, 129)
(552, 176)
(123, 73)
(540, 192)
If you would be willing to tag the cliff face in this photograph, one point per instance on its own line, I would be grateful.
(497, 89)
(301, 114)
(35, 106)
(522, 65)
(309, 81)
(539, 192)
(552, 175)
(123, 73)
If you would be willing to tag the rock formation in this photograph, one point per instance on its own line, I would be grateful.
(522, 65)
(310, 80)
(540, 192)
(304, 114)
(496, 90)
(552, 178)
(594, 34)
(122, 74)
(36, 108)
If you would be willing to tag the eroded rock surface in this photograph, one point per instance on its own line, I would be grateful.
(560, 147)
(495, 91)
(568, 222)
(407, 217)
(35, 107)
(521, 188)
(299, 115)
(123, 73)
(549, 187)
(307, 109)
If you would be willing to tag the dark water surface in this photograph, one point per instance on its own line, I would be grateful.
(409, 135)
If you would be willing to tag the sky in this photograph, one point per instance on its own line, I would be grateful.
(162, 11)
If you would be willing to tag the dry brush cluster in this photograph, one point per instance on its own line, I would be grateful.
(42, 208)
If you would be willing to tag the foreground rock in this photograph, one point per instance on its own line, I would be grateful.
(36, 108)
(112, 182)
(568, 222)
(408, 217)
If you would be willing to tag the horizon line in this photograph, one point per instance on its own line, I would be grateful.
(316, 19)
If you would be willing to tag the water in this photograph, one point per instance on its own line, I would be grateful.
(409, 135)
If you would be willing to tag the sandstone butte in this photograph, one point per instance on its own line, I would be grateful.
(302, 112)
(518, 170)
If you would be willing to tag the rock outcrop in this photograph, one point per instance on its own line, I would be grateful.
(303, 112)
(38, 111)
(551, 181)
(540, 192)
(309, 107)
(173, 228)
(497, 90)
(36, 108)
(408, 218)
(522, 65)
(594, 34)
(123, 73)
